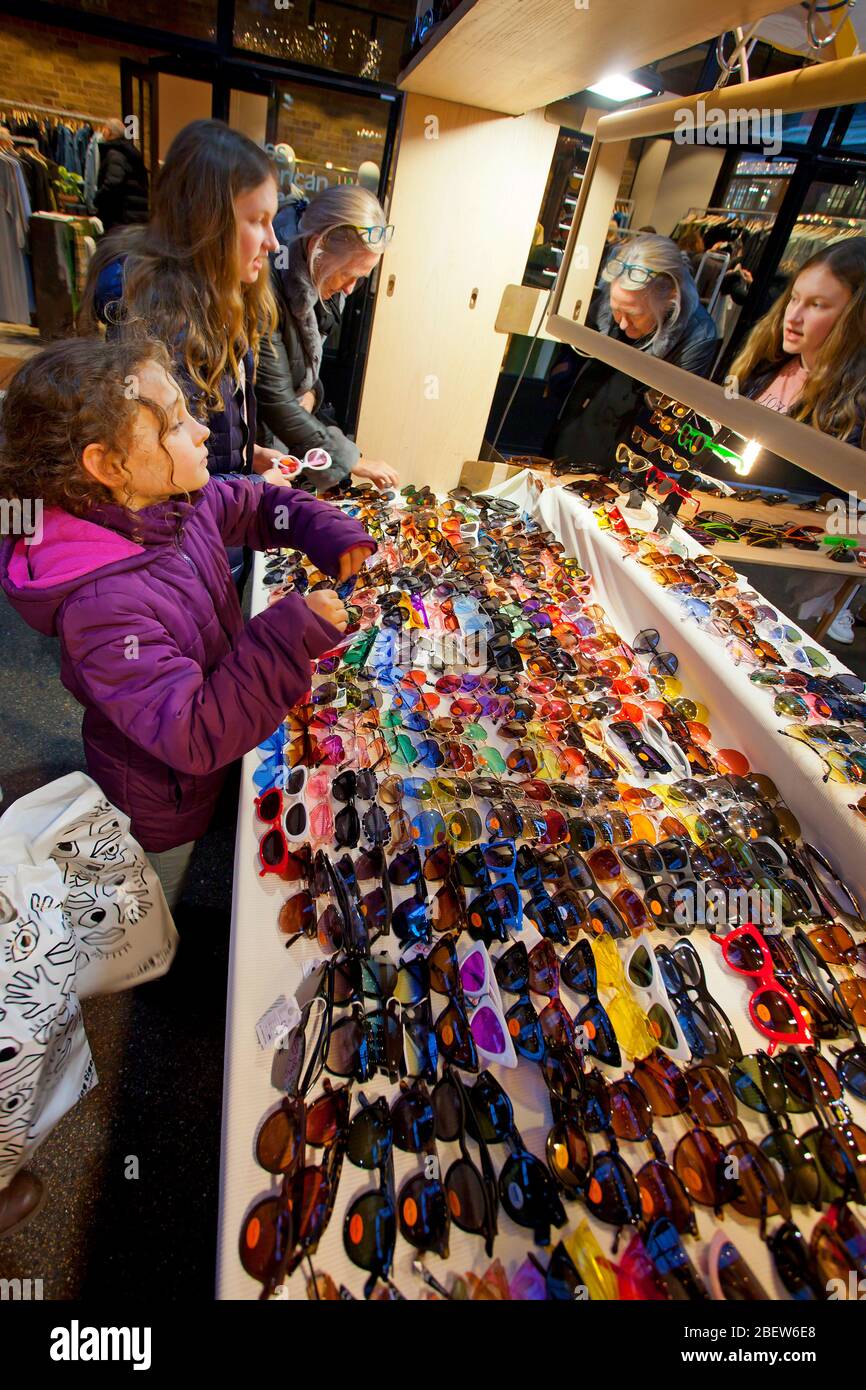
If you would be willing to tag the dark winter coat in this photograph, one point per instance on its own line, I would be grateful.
(121, 196)
(289, 364)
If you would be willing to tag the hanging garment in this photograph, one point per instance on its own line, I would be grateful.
(14, 217)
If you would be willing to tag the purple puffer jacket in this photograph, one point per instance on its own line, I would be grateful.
(153, 643)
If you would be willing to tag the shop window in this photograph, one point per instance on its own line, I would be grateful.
(195, 19)
(855, 136)
(331, 133)
(365, 43)
(759, 185)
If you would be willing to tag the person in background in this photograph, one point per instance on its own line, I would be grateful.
(807, 358)
(691, 243)
(121, 198)
(369, 176)
(340, 238)
(737, 280)
(647, 298)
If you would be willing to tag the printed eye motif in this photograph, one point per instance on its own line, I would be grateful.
(9, 1050)
(12, 1103)
(24, 941)
(94, 918)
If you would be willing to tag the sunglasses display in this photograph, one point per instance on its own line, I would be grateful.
(542, 999)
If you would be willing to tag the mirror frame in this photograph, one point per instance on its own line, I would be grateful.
(837, 83)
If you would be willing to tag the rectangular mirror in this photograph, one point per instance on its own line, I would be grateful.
(676, 185)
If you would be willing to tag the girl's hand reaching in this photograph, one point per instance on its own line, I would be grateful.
(328, 605)
(352, 561)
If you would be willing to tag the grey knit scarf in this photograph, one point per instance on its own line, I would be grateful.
(301, 300)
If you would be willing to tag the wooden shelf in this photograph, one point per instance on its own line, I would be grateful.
(788, 557)
(513, 56)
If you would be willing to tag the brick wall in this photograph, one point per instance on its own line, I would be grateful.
(56, 67)
(323, 125)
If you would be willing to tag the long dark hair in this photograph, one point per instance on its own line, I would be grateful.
(181, 279)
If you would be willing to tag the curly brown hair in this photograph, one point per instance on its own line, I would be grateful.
(72, 394)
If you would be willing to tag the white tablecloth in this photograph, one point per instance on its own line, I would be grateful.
(741, 713)
(260, 970)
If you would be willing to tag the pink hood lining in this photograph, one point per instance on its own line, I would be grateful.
(70, 548)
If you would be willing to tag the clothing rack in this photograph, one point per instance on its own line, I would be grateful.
(9, 105)
(740, 214)
(25, 140)
(823, 219)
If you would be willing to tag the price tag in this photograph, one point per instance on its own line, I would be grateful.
(278, 1023)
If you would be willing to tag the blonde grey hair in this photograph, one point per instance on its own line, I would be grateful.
(328, 224)
(665, 293)
(115, 127)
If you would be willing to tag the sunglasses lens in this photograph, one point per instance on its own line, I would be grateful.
(612, 1193)
(759, 1084)
(528, 1195)
(410, 922)
(569, 1156)
(269, 806)
(662, 1194)
(852, 1071)
(455, 1039)
(699, 1164)
(413, 1121)
(774, 1011)
(258, 1241)
(273, 848)
(370, 1231)
(800, 1170)
(843, 1154)
(298, 914)
(347, 828)
(630, 1111)
(467, 1204)
(404, 868)
(524, 1028)
(424, 1215)
(369, 1141)
(711, 1096)
(347, 1048)
(761, 1190)
(279, 1141)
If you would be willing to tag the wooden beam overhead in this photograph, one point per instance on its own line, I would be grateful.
(512, 56)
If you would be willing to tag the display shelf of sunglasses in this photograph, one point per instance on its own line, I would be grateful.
(759, 511)
(787, 556)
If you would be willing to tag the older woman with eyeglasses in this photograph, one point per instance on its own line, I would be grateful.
(336, 242)
(647, 298)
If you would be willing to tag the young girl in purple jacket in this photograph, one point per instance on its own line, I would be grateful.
(130, 572)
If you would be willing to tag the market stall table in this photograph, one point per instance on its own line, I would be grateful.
(260, 970)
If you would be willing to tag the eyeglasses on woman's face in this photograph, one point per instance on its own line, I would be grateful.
(375, 235)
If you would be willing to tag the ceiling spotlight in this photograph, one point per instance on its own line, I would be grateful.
(619, 88)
